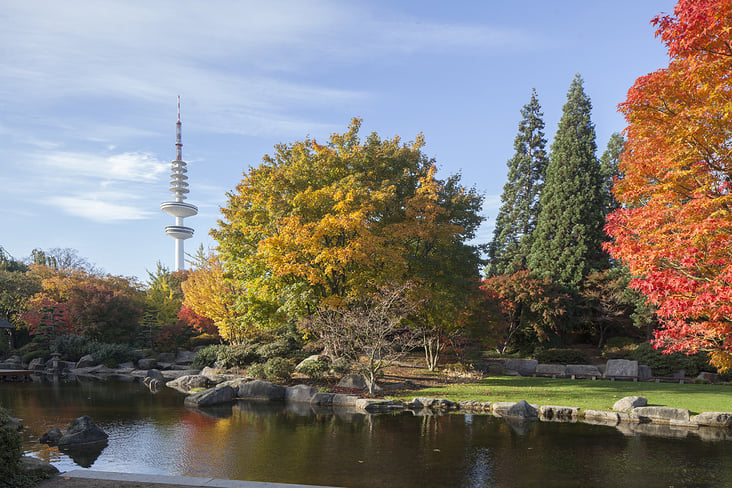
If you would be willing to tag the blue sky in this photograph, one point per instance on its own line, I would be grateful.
(88, 94)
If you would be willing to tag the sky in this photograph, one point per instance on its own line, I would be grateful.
(88, 99)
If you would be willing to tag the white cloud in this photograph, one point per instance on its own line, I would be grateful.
(118, 167)
(99, 210)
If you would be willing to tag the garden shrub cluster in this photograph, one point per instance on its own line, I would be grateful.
(248, 354)
(561, 356)
(315, 369)
(11, 447)
(667, 364)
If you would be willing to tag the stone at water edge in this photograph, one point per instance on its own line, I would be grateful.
(629, 403)
(83, 430)
(51, 437)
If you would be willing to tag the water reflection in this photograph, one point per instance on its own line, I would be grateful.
(298, 444)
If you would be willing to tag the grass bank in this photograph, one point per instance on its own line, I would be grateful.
(586, 394)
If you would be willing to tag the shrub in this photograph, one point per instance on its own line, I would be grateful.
(206, 356)
(282, 347)
(620, 342)
(238, 355)
(71, 347)
(11, 447)
(340, 367)
(256, 371)
(562, 356)
(278, 370)
(30, 356)
(113, 354)
(667, 364)
(315, 369)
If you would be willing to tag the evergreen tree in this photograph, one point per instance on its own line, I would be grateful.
(609, 162)
(567, 242)
(519, 210)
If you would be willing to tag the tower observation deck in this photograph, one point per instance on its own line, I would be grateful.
(178, 208)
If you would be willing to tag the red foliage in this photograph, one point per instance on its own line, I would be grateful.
(201, 324)
(675, 232)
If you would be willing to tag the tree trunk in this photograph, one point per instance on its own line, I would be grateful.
(432, 349)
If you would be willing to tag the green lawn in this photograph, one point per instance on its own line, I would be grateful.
(586, 394)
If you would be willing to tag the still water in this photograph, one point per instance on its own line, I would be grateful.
(155, 434)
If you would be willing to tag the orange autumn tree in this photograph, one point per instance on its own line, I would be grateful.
(675, 228)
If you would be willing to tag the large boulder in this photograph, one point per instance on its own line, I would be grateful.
(314, 357)
(663, 414)
(525, 367)
(147, 363)
(37, 364)
(628, 403)
(300, 393)
(155, 374)
(436, 403)
(166, 357)
(552, 413)
(621, 368)
(521, 410)
(213, 396)
(36, 467)
(583, 370)
(185, 357)
(82, 431)
(553, 370)
(600, 417)
(51, 437)
(261, 390)
(355, 381)
(713, 419)
(189, 382)
(86, 362)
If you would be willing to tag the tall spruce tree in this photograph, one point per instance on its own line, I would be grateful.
(567, 242)
(519, 210)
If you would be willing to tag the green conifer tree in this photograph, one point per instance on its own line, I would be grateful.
(519, 210)
(609, 165)
(567, 243)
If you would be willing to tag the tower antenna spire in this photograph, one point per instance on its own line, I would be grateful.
(178, 142)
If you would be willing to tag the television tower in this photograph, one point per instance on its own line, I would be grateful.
(178, 208)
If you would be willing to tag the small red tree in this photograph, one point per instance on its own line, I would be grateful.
(675, 232)
(522, 301)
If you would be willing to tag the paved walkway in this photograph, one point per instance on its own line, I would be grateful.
(155, 480)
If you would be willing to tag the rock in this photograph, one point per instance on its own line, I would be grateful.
(261, 390)
(663, 414)
(189, 382)
(356, 381)
(82, 431)
(37, 363)
(14, 423)
(553, 370)
(629, 403)
(322, 400)
(155, 374)
(126, 366)
(86, 362)
(521, 410)
(644, 372)
(475, 405)
(438, 403)
(553, 413)
(166, 357)
(621, 367)
(343, 400)
(147, 363)
(583, 370)
(378, 406)
(713, 419)
(185, 357)
(51, 437)
(36, 467)
(314, 357)
(525, 367)
(601, 417)
(705, 376)
(300, 393)
(212, 396)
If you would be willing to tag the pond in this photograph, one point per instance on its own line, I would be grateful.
(155, 434)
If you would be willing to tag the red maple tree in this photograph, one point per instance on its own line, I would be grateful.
(675, 228)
